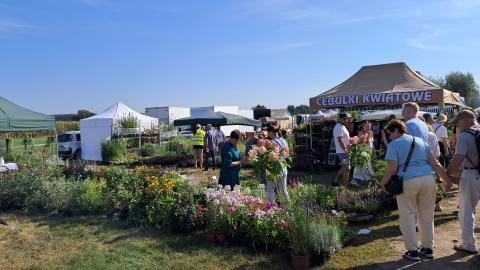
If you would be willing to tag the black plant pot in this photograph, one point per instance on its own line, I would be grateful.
(319, 259)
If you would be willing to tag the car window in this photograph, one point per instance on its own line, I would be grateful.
(63, 138)
(78, 136)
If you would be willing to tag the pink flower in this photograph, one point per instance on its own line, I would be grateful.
(353, 140)
(261, 143)
(269, 144)
(272, 156)
(279, 224)
(231, 209)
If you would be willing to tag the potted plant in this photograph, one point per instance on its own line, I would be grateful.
(127, 124)
(316, 243)
(298, 236)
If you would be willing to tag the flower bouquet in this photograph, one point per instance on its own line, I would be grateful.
(266, 158)
(359, 152)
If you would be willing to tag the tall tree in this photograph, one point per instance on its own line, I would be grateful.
(301, 109)
(82, 114)
(291, 109)
(463, 83)
(259, 107)
(440, 81)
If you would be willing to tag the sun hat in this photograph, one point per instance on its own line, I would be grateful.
(464, 115)
(441, 118)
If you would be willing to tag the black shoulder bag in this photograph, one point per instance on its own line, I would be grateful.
(395, 184)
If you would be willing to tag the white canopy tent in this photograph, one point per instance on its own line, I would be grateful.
(284, 120)
(100, 127)
(382, 114)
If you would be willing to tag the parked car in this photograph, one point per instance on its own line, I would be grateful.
(69, 145)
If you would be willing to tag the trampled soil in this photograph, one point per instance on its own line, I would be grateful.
(446, 235)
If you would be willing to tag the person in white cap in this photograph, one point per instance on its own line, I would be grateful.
(442, 135)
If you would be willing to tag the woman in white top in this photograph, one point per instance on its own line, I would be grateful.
(442, 136)
(365, 135)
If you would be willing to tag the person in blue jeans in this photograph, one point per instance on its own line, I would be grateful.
(211, 145)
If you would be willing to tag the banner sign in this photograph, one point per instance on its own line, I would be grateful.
(373, 99)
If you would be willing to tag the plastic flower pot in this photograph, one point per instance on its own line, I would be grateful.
(300, 261)
(211, 238)
(221, 238)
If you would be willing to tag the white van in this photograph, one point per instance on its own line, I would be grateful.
(69, 145)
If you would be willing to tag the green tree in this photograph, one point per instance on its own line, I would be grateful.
(259, 107)
(82, 114)
(291, 109)
(301, 109)
(440, 81)
(465, 84)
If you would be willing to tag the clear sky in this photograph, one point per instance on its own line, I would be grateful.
(59, 56)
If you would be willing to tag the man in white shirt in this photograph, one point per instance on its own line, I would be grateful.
(341, 137)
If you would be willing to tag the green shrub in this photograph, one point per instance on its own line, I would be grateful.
(113, 150)
(179, 140)
(90, 198)
(148, 150)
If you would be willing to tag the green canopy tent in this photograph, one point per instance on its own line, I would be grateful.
(16, 118)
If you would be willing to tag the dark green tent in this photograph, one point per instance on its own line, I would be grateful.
(217, 119)
(16, 118)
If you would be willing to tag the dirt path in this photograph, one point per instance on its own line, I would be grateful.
(446, 235)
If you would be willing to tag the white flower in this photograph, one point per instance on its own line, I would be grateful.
(214, 178)
(262, 150)
(363, 154)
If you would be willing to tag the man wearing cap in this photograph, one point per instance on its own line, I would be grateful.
(415, 126)
(441, 132)
(211, 145)
(341, 136)
(466, 158)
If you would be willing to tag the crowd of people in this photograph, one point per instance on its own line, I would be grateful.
(418, 150)
(207, 144)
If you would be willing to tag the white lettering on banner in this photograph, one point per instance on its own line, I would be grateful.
(389, 98)
(376, 98)
(366, 99)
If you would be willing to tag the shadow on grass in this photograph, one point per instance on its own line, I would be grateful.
(447, 262)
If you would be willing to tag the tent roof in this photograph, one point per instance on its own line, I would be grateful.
(116, 111)
(217, 118)
(396, 81)
(16, 118)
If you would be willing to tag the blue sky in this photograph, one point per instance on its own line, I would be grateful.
(59, 56)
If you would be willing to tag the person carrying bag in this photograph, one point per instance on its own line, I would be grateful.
(419, 187)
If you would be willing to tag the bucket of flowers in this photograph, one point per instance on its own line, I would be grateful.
(267, 160)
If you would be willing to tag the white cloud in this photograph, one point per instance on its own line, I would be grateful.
(11, 28)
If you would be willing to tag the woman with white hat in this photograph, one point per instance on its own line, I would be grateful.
(442, 136)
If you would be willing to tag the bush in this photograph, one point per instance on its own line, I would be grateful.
(179, 140)
(113, 150)
(148, 150)
(90, 198)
